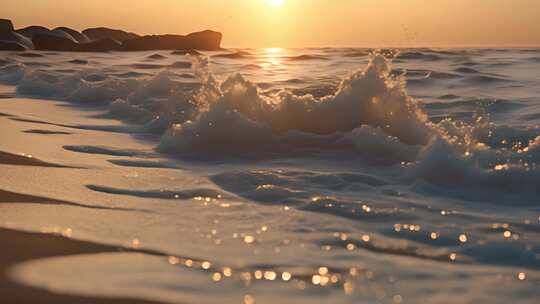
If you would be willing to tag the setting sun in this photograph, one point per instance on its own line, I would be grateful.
(275, 2)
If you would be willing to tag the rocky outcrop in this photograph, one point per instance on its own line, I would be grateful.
(206, 40)
(64, 39)
(61, 44)
(10, 40)
(6, 26)
(102, 45)
(45, 42)
(78, 36)
(107, 33)
(33, 30)
(11, 46)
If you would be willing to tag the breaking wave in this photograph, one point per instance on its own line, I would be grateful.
(370, 98)
(369, 116)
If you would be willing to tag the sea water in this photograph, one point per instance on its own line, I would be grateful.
(335, 175)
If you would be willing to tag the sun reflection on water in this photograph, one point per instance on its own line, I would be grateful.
(272, 58)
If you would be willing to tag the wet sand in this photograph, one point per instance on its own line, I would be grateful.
(21, 246)
(25, 160)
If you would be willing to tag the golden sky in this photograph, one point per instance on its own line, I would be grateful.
(301, 23)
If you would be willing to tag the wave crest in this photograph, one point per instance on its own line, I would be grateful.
(234, 113)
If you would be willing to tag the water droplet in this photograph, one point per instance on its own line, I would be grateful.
(323, 270)
(216, 277)
(286, 276)
(173, 260)
(206, 265)
(270, 275)
(248, 239)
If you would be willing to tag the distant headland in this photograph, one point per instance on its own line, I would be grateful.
(64, 39)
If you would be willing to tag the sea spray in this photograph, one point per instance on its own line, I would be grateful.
(369, 97)
(370, 116)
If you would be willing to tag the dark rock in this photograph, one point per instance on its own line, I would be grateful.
(78, 36)
(33, 30)
(155, 42)
(23, 40)
(103, 33)
(62, 34)
(6, 26)
(17, 38)
(11, 46)
(206, 40)
(61, 44)
(45, 42)
(102, 45)
(12, 41)
(101, 39)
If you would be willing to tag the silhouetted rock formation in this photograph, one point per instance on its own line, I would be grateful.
(6, 26)
(102, 45)
(60, 44)
(107, 33)
(63, 39)
(45, 42)
(10, 40)
(11, 46)
(62, 34)
(206, 40)
(79, 37)
(33, 30)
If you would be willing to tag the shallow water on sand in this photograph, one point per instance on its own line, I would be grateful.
(301, 176)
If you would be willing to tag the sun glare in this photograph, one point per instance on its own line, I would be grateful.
(275, 2)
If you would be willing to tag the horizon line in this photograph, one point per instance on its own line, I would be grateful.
(453, 46)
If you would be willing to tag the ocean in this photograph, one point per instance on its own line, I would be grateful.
(327, 175)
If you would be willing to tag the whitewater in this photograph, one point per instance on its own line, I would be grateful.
(338, 175)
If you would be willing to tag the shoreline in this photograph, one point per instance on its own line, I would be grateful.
(26, 246)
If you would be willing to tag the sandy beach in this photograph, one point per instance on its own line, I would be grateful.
(22, 246)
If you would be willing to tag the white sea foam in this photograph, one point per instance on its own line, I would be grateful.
(370, 115)
(84, 87)
(368, 97)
